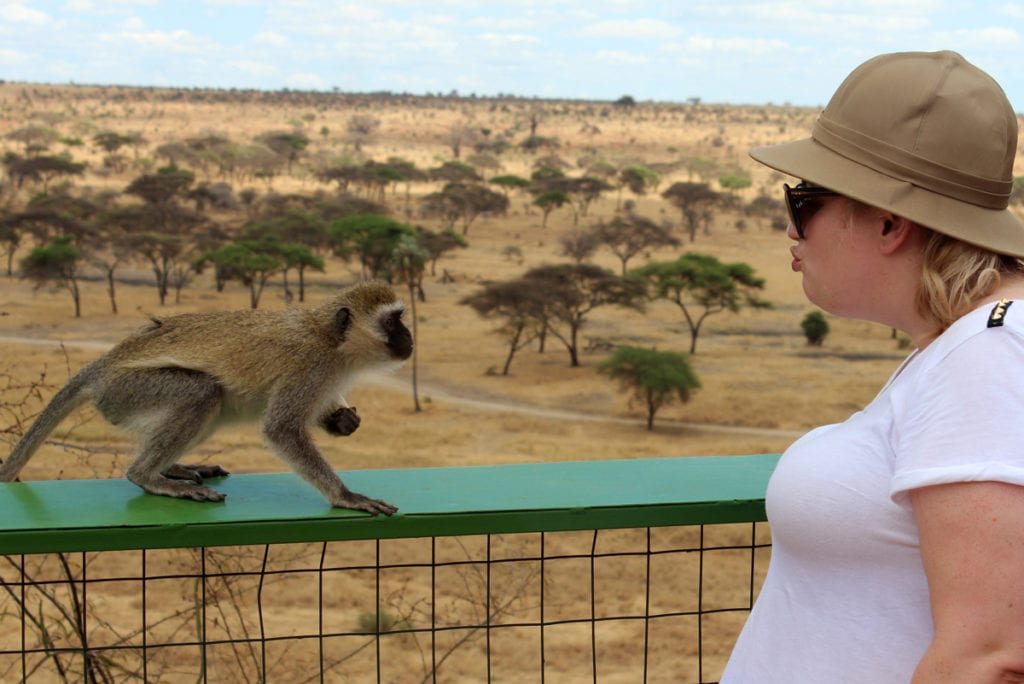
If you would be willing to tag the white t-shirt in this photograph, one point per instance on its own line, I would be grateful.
(846, 598)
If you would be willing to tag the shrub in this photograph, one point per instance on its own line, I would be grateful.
(815, 328)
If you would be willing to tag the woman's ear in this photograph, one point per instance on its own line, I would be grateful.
(895, 232)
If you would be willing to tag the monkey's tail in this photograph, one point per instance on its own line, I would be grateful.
(70, 397)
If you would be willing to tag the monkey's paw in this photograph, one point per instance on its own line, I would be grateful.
(341, 422)
(194, 473)
(358, 502)
(201, 493)
(179, 489)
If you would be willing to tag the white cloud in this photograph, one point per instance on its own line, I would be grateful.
(270, 38)
(500, 39)
(104, 8)
(501, 24)
(621, 57)
(818, 17)
(18, 13)
(1014, 10)
(79, 6)
(305, 82)
(736, 45)
(393, 41)
(11, 57)
(644, 29)
(993, 37)
(252, 67)
(177, 41)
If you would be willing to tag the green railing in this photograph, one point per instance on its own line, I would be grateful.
(508, 572)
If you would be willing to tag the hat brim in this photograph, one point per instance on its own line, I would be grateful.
(997, 230)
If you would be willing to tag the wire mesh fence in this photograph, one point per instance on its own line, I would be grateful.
(656, 604)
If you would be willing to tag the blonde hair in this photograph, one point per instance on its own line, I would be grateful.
(957, 276)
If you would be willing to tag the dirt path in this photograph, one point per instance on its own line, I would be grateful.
(439, 394)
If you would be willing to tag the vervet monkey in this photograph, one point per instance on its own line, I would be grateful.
(177, 380)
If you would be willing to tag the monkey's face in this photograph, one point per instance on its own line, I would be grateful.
(397, 335)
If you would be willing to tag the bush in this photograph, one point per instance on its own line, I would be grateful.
(815, 328)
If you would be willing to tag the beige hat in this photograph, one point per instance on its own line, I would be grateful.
(925, 135)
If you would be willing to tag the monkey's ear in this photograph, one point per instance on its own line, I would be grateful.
(342, 322)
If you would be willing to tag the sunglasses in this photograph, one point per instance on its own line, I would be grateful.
(802, 202)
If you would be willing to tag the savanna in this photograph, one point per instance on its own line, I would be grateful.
(97, 167)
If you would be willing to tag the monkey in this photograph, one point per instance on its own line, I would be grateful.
(175, 381)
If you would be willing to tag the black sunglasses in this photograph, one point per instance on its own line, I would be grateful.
(800, 201)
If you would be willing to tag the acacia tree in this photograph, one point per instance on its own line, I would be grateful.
(40, 169)
(764, 207)
(579, 245)
(407, 173)
(253, 265)
(454, 172)
(639, 179)
(56, 262)
(437, 244)
(548, 201)
(571, 292)
(107, 250)
(701, 285)
(735, 180)
(509, 182)
(360, 129)
(459, 201)
(165, 245)
(34, 137)
(10, 238)
(656, 378)
(581, 192)
(302, 259)
(291, 236)
(630, 234)
(110, 142)
(460, 134)
(286, 144)
(519, 303)
(694, 200)
(370, 237)
(408, 262)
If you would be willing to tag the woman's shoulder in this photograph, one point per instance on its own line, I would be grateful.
(993, 332)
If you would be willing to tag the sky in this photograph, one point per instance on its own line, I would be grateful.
(721, 51)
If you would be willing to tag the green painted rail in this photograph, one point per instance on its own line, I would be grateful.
(104, 515)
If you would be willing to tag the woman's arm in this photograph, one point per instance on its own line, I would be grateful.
(972, 546)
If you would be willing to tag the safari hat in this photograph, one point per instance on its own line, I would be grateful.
(925, 135)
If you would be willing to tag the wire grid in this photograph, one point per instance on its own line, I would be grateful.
(651, 604)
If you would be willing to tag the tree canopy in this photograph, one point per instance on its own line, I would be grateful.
(695, 201)
(56, 262)
(572, 291)
(655, 378)
(371, 238)
(701, 285)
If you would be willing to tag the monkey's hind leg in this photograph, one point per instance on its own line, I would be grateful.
(172, 410)
(194, 473)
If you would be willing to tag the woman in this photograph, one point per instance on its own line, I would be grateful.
(898, 536)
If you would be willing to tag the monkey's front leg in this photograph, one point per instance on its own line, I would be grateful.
(340, 422)
(288, 435)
